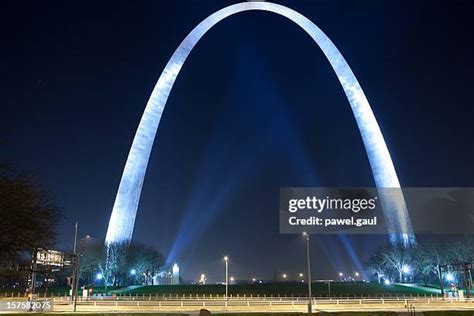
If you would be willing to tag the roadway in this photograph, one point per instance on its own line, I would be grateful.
(399, 304)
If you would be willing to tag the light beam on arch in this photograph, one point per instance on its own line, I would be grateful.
(126, 203)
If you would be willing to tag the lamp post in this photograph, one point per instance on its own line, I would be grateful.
(226, 259)
(75, 268)
(308, 259)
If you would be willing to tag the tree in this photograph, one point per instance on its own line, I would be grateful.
(119, 259)
(90, 251)
(397, 257)
(428, 257)
(460, 251)
(145, 260)
(113, 263)
(29, 216)
(377, 265)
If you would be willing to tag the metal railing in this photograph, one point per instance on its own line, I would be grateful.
(267, 302)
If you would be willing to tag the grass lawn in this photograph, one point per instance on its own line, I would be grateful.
(338, 289)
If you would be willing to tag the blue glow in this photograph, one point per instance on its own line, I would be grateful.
(133, 272)
(350, 250)
(406, 269)
(124, 211)
(449, 277)
(215, 182)
(99, 276)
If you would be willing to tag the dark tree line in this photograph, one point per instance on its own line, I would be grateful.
(423, 262)
(118, 265)
(29, 218)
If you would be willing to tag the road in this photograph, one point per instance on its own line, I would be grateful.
(262, 305)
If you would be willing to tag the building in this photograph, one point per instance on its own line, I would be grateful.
(168, 275)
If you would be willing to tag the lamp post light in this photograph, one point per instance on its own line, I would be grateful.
(226, 259)
(449, 277)
(308, 259)
(405, 272)
(133, 272)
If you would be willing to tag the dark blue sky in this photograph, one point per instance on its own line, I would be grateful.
(255, 108)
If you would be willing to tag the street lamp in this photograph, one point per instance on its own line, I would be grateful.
(308, 259)
(231, 280)
(284, 276)
(226, 259)
(133, 272)
(253, 279)
(356, 274)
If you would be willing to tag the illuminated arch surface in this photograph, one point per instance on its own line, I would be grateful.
(125, 207)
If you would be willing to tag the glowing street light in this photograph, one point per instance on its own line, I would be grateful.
(226, 259)
(133, 272)
(284, 275)
(406, 269)
(301, 275)
(449, 277)
(99, 276)
(341, 274)
(231, 280)
(356, 274)
(386, 282)
(253, 279)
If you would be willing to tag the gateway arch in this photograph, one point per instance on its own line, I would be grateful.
(124, 211)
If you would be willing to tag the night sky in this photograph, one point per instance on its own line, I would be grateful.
(256, 107)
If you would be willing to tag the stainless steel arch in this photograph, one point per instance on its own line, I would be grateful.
(125, 207)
